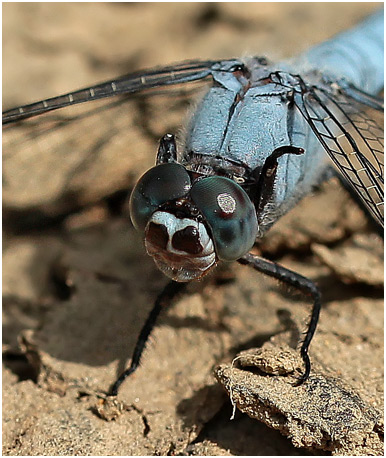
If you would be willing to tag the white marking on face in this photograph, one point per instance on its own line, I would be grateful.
(177, 264)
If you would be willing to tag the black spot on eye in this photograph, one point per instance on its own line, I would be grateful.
(187, 240)
(227, 235)
(157, 235)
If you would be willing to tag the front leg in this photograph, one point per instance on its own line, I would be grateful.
(266, 176)
(163, 300)
(302, 284)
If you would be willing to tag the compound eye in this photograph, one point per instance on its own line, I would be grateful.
(158, 185)
(229, 213)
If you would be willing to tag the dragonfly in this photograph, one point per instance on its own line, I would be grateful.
(263, 136)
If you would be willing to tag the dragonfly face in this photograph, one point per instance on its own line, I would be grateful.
(191, 223)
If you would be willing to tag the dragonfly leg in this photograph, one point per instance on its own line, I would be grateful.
(163, 300)
(267, 175)
(299, 282)
(167, 150)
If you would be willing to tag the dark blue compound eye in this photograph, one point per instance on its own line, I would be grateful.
(229, 213)
(158, 185)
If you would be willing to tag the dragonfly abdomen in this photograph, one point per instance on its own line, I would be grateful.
(356, 55)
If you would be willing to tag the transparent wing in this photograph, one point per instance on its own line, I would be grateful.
(76, 156)
(348, 125)
(84, 152)
(128, 84)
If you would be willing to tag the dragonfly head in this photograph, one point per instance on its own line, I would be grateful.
(190, 225)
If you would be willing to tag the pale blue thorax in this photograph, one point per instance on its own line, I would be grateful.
(262, 121)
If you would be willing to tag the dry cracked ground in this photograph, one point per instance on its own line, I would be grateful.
(77, 284)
